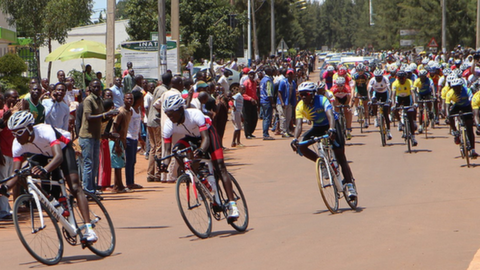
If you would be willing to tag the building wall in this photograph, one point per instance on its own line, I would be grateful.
(96, 32)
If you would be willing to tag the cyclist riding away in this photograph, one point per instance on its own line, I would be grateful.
(317, 108)
(425, 89)
(460, 99)
(381, 92)
(343, 96)
(361, 81)
(197, 129)
(404, 96)
(45, 140)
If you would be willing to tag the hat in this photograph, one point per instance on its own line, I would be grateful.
(251, 71)
(290, 71)
(245, 70)
(201, 84)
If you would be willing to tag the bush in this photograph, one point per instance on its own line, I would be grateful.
(18, 83)
(12, 65)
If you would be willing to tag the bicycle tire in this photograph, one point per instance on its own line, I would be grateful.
(466, 146)
(101, 223)
(352, 203)
(382, 131)
(426, 121)
(408, 135)
(46, 244)
(197, 218)
(361, 118)
(241, 223)
(327, 187)
(343, 124)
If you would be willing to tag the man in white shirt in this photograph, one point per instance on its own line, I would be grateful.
(224, 79)
(57, 112)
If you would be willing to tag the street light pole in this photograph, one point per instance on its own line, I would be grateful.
(478, 24)
(249, 34)
(162, 40)
(272, 21)
(444, 27)
(110, 36)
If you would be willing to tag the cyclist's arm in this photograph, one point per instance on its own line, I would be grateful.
(205, 141)
(167, 150)
(56, 160)
(298, 128)
(12, 182)
(331, 118)
(476, 116)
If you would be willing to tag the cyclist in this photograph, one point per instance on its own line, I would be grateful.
(321, 90)
(55, 143)
(317, 108)
(403, 93)
(343, 96)
(361, 79)
(476, 104)
(328, 76)
(381, 91)
(197, 129)
(425, 89)
(460, 99)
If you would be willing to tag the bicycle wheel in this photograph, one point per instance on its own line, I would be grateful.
(343, 124)
(466, 144)
(361, 118)
(193, 207)
(352, 203)
(101, 223)
(326, 184)
(408, 135)
(45, 243)
(241, 223)
(382, 131)
(426, 121)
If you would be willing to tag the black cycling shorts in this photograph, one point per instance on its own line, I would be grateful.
(456, 109)
(317, 131)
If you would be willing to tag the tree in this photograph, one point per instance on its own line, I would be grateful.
(11, 67)
(46, 20)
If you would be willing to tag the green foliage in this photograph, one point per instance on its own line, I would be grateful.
(12, 65)
(18, 83)
(77, 75)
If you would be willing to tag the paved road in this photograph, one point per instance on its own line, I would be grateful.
(416, 211)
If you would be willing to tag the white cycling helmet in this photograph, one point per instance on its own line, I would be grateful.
(456, 82)
(413, 66)
(340, 80)
(378, 73)
(330, 68)
(321, 85)
(423, 72)
(451, 78)
(307, 86)
(447, 71)
(20, 119)
(172, 103)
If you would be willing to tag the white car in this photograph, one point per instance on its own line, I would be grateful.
(233, 80)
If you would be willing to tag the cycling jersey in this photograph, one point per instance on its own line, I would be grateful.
(316, 113)
(361, 82)
(379, 87)
(424, 88)
(461, 100)
(341, 92)
(476, 101)
(329, 95)
(328, 79)
(445, 91)
(45, 138)
(195, 122)
(402, 90)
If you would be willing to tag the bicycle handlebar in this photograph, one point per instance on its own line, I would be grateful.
(26, 170)
(177, 153)
(460, 114)
(318, 139)
(426, 100)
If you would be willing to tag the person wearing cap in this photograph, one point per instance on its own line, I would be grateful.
(459, 98)
(244, 77)
(425, 91)
(402, 91)
(250, 105)
(286, 100)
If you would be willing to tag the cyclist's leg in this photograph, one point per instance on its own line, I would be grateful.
(339, 150)
(313, 132)
(348, 112)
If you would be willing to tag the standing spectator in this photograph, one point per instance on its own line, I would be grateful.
(154, 131)
(234, 64)
(189, 66)
(117, 90)
(57, 113)
(266, 101)
(105, 168)
(72, 94)
(88, 75)
(100, 78)
(32, 102)
(224, 79)
(147, 105)
(138, 84)
(237, 118)
(250, 105)
(221, 116)
(6, 159)
(132, 140)
(125, 72)
(285, 102)
(61, 76)
(90, 134)
(118, 145)
(128, 82)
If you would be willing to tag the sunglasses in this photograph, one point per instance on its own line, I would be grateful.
(19, 132)
(304, 94)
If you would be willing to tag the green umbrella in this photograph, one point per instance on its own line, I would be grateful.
(78, 49)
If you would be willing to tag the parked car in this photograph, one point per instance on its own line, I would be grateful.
(233, 80)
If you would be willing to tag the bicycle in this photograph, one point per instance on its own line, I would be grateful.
(407, 133)
(425, 114)
(196, 201)
(361, 118)
(342, 120)
(464, 145)
(36, 220)
(328, 175)
(381, 121)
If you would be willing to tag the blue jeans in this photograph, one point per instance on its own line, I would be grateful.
(130, 160)
(91, 159)
(267, 118)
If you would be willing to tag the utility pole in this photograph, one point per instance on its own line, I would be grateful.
(255, 39)
(444, 26)
(110, 40)
(371, 13)
(478, 24)
(162, 40)
(175, 21)
(272, 21)
(249, 34)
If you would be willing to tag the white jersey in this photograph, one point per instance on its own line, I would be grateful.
(379, 87)
(45, 138)
(195, 122)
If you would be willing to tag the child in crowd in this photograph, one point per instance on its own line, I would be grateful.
(133, 136)
(237, 118)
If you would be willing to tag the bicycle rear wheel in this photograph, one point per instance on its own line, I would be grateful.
(361, 118)
(408, 135)
(326, 184)
(241, 223)
(45, 243)
(426, 121)
(465, 144)
(101, 223)
(383, 131)
(193, 207)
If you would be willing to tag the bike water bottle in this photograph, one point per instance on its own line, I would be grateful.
(205, 182)
(63, 202)
(335, 166)
(212, 182)
(57, 205)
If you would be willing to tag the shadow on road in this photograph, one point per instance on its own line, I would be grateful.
(437, 137)
(354, 144)
(143, 227)
(66, 260)
(221, 234)
(414, 151)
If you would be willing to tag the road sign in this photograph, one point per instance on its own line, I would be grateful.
(282, 46)
(406, 42)
(432, 43)
(408, 32)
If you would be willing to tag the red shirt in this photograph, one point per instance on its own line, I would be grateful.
(250, 90)
(6, 138)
